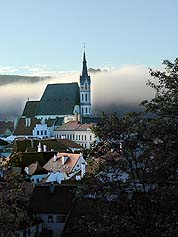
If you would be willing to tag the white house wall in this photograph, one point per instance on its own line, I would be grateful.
(83, 138)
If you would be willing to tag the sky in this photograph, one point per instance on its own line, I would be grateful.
(45, 38)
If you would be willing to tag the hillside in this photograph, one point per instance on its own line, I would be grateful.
(9, 79)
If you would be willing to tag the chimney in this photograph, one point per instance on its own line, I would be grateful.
(83, 169)
(79, 118)
(44, 148)
(52, 186)
(64, 159)
(39, 147)
(32, 143)
(55, 158)
(76, 116)
(27, 170)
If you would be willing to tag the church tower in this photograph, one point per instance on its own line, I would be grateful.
(85, 90)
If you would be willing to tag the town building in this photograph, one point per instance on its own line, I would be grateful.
(80, 133)
(52, 203)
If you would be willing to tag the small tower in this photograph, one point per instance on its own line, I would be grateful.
(85, 90)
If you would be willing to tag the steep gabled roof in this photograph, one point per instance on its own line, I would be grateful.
(21, 129)
(58, 166)
(59, 99)
(53, 199)
(35, 169)
(30, 145)
(30, 109)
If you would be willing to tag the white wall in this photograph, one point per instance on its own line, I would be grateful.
(83, 138)
(41, 131)
(37, 178)
(55, 226)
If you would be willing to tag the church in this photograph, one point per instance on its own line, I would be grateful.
(66, 99)
(59, 104)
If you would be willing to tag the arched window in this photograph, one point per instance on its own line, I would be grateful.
(85, 86)
(85, 97)
(82, 110)
(82, 97)
(86, 110)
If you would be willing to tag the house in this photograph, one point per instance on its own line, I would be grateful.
(35, 172)
(44, 145)
(30, 231)
(6, 128)
(77, 132)
(68, 163)
(53, 203)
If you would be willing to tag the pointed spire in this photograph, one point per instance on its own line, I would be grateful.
(84, 70)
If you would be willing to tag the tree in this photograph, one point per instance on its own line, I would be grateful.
(149, 146)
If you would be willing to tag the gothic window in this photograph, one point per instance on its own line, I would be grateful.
(85, 97)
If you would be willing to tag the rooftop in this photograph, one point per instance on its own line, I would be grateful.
(59, 99)
(53, 198)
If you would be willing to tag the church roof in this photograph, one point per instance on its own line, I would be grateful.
(59, 99)
(30, 109)
(84, 75)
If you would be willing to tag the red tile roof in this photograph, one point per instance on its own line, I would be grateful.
(74, 125)
(57, 165)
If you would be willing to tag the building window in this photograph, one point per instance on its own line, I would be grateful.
(86, 110)
(50, 219)
(85, 97)
(90, 137)
(70, 137)
(41, 132)
(85, 137)
(82, 110)
(73, 137)
(82, 137)
(82, 97)
(45, 132)
(60, 219)
(85, 86)
(78, 137)
(38, 133)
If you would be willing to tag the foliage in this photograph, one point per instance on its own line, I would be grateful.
(148, 147)
(14, 201)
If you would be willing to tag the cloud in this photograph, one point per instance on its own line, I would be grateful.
(119, 90)
(7, 69)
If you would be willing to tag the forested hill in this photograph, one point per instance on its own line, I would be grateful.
(9, 79)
